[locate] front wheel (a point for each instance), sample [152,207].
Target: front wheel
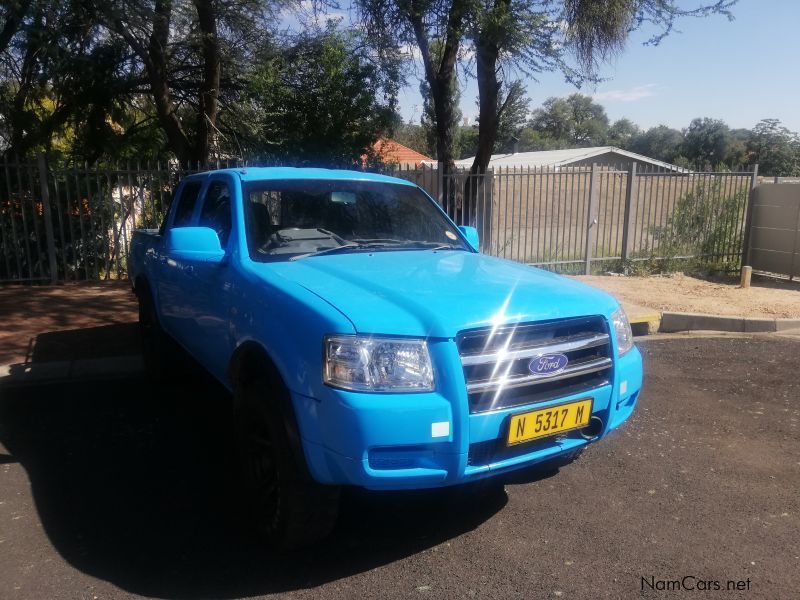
[287,506]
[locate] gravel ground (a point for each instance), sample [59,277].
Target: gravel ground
[115,490]
[768,298]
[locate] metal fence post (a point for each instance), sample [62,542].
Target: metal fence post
[748,218]
[591,233]
[48,219]
[626,219]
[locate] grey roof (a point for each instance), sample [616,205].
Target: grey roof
[555,158]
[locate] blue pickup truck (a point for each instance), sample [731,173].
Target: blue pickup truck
[368,342]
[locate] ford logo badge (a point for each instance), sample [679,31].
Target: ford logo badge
[548,364]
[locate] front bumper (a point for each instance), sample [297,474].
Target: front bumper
[413,441]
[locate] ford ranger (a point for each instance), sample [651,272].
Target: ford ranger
[368,342]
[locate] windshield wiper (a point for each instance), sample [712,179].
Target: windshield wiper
[362,244]
[339,239]
[409,243]
[329,251]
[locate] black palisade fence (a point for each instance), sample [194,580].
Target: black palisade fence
[75,222]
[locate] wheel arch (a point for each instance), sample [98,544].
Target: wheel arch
[251,361]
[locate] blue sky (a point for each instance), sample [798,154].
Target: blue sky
[740,71]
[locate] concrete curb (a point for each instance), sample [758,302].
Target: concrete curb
[673,322]
[69,370]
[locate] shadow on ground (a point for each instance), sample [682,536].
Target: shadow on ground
[137,486]
[35,309]
[119,339]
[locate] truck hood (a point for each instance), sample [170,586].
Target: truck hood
[439,293]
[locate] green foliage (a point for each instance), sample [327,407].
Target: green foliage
[514,115]
[77,80]
[661,142]
[775,149]
[428,119]
[65,88]
[514,110]
[320,102]
[413,136]
[532,141]
[706,224]
[574,121]
[706,143]
[468,141]
[622,132]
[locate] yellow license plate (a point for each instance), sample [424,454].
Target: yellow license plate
[536,424]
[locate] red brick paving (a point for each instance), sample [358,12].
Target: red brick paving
[94,319]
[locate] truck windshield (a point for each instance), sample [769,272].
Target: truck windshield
[290,220]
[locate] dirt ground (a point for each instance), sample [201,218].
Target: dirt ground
[26,312]
[766,298]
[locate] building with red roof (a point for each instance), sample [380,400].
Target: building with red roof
[394,153]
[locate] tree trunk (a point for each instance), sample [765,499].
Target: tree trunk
[155,59]
[441,79]
[487,53]
[443,110]
[488,113]
[486,56]
[209,87]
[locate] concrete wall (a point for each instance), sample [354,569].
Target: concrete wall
[775,229]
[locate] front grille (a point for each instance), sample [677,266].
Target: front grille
[495,361]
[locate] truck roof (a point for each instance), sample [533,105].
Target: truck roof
[267,173]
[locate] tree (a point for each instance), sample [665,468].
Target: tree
[573,121]
[532,140]
[12,21]
[706,143]
[661,143]
[535,36]
[622,132]
[150,30]
[41,44]
[321,102]
[512,118]
[468,141]
[737,150]
[436,29]
[412,136]
[775,149]
[432,126]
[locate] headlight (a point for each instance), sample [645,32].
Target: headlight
[377,364]
[622,329]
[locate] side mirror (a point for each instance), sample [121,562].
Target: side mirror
[199,244]
[472,237]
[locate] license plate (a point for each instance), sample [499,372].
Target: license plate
[535,424]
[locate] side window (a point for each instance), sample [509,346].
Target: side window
[186,204]
[217,210]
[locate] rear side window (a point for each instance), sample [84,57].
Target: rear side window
[186,204]
[217,210]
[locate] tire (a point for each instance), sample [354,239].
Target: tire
[287,507]
[158,353]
